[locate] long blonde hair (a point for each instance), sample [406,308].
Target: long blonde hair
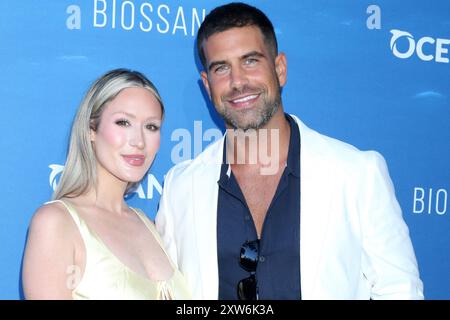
[79,174]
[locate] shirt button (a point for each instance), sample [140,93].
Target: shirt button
[247,218]
[262,259]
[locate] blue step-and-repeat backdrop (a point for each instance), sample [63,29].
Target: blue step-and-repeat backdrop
[375,74]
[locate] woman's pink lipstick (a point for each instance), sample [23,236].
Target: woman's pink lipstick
[135,160]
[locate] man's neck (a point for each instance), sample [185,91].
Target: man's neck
[264,149]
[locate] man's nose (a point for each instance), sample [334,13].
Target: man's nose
[238,77]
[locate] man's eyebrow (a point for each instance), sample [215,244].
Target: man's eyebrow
[252,54]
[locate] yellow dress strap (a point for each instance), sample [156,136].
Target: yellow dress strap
[71,210]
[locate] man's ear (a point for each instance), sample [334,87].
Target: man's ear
[204,77]
[281,68]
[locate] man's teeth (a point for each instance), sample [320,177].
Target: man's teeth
[245,99]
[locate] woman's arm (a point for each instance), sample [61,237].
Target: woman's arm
[49,254]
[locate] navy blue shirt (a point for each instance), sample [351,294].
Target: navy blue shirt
[278,269]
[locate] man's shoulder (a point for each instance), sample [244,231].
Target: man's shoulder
[331,145]
[333,149]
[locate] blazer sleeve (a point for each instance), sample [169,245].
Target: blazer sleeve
[389,262]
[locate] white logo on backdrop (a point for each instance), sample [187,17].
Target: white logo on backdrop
[403,44]
[57,169]
[426,48]
[396,34]
[144,16]
[430,201]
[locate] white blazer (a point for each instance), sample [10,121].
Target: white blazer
[354,243]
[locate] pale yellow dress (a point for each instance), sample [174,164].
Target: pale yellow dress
[106,277]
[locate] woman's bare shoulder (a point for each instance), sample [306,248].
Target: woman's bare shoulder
[52,217]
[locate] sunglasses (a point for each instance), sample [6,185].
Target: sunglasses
[247,288]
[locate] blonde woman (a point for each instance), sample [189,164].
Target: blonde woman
[88,243]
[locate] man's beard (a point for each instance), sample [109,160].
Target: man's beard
[255,117]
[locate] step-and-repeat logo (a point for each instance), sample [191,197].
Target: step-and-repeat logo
[405,45]
[426,48]
[430,200]
[144,16]
[55,173]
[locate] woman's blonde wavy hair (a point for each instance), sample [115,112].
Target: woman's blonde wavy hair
[79,174]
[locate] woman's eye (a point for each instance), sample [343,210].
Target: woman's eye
[122,123]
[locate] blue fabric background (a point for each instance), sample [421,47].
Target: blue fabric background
[344,80]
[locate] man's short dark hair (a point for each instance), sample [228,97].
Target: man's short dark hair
[235,15]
